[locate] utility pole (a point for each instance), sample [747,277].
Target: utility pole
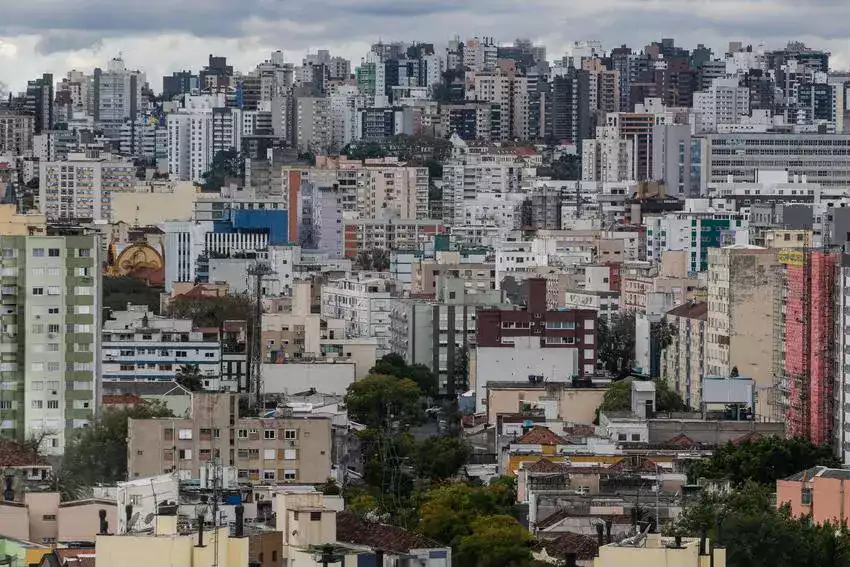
[258,271]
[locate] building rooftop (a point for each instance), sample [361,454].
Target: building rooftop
[539,435]
[584,547]
[819,471]
[546,466]
[353,529]
[141,388]
[691,310]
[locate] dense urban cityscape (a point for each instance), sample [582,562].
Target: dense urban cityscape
[467,303]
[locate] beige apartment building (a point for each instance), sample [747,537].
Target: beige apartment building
[683,361]
[478,276]
[276,450]
[739,325]
[41,518]
[558,401]
[671,278]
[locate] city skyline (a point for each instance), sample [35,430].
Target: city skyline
[83,35]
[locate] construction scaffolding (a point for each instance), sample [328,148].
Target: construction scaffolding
[804,350]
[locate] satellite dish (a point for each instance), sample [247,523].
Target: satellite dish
[132,522]
[149,518]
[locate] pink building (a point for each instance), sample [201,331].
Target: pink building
[807,337]
[821,492]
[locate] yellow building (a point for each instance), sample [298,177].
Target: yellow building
[653,550]
[14,224]
[168,547]
[154,202]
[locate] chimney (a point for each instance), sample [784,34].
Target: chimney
[128,509]
[104,525]
[200,530]
[678,540]
[571,559]
[702,537]
[240,521]
[608,524]
[600,535]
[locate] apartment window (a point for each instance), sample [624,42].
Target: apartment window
[268,475]
[8,252]
[806,496]
[38,252]
[242,434]
[269,454]
[635,436]
[53,290]
[53,328]
[53,252]
[37,404]
[290,434]
[49,517]
[5,404]
[185,454]
[315,516]
[82,290]
[52,404]
[290,474]
[37,329]
[84,252]
[53,311]
[37,367]
[168,434]
[290,454]
[38,291]
[621,436]
[184,434]
[53,367]
[269,434]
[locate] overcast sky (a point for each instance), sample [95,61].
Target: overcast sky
[161,36]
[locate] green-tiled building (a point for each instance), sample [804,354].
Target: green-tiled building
[50,303]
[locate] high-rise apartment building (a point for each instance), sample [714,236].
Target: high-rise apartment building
[81,187]
[118,96]
[51,305]
[739,332]
[197,132]
[608,157]
[724,102]
[39,102]
[16,133]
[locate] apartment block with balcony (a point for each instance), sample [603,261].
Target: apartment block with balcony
[49,336]
[274,450]
[139,345]
[683,361]
[364,304]
[81,187]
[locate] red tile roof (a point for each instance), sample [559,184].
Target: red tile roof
[122,399]
[539,435]
[351,528]
[681,440]
[584,547]
[751,436]
[546,466]
[14,454]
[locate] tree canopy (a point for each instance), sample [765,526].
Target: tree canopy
[495,541]
[225,164]
[118,291]
[616,342]
[756,533]
[98,453]
[383,402]
[618,397]
[439,458]
[213,311]
[763,461]
[189,376]
[394,365]
[448,512]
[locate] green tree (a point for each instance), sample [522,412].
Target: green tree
[616,342]
[618,397]
[384,402]
[439,458]
[98,453]
[667,399]
[189,376]
[213,311]
[226,164]
[565,168]
[394,365]
[756,533]
[118,291]
[448,511]
[763,461]
[495,541]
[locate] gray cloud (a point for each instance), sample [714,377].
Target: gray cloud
[72,26]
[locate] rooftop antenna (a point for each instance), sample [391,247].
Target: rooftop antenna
[258,271]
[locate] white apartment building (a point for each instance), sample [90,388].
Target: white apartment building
[345,101]
[118,94]
[138,345]
[518,258]
[468,174]
[723,103]
[608,157]
[81,187]
[392,191]
[199,130]
[364,304]
[185,241]
[488,218]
